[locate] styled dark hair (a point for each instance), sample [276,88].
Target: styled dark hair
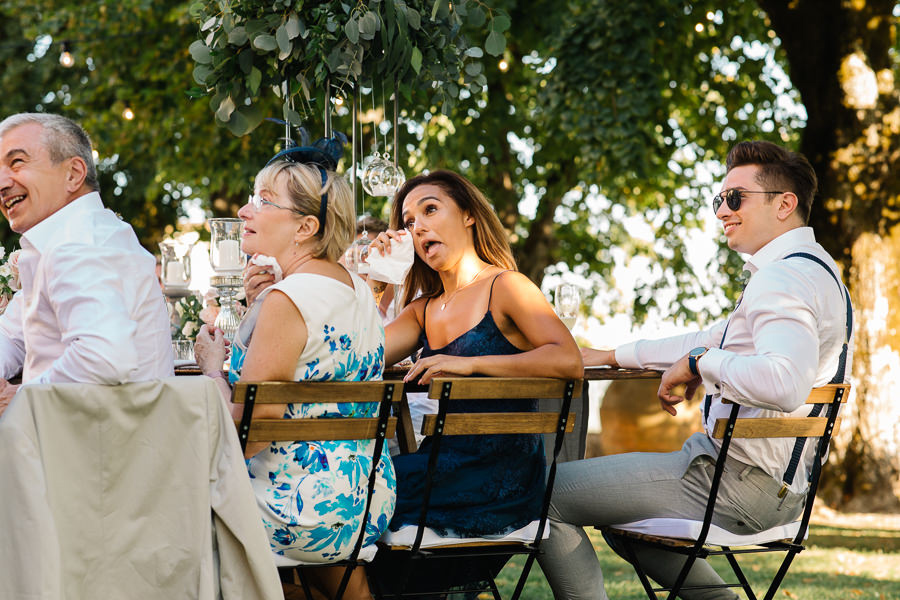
[487,232]
[779,169]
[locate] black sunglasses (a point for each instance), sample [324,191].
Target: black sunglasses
[733,198]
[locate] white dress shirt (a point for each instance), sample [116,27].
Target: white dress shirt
[784,338]
[90,309]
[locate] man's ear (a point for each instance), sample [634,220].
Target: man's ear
[787,205]
[75,174]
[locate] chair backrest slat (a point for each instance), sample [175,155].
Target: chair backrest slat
[309,392]
[470,388]
[775,427]
[310,430]
[788,426]
[825,394]
[497,423]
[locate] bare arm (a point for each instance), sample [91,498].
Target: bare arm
[526,319]
[278,340]
[402,334]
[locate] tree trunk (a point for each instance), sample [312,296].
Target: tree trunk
[840,62]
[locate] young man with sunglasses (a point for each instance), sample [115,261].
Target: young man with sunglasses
[788,333]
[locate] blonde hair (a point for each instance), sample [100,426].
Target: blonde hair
[488,234]
[303,183]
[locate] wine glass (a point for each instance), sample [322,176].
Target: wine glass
[567,301]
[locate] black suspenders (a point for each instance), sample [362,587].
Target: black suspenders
[800,442]
[797,452]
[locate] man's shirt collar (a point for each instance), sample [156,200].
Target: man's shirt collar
[779,247]
[49,232]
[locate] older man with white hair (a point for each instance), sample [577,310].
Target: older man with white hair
[90,309]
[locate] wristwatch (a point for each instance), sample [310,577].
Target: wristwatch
[693,356]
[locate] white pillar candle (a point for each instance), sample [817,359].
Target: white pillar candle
[229,255]
[175,274]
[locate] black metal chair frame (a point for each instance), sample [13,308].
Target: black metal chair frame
[416,553]
[391,389]
[700,549]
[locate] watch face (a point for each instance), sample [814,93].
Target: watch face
[697,352]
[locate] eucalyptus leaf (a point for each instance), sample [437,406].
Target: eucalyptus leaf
[352,31]
[284,42]
[238,36]
[245,61]
[415,60]
[495,43]
[500,23]
[473,68]
[225,110]
[294,25]
[210,22]
[265,42]
[253,81]
[474,52]
[414,18]
[200,52]
[237,124]
[477,17]
[201,72]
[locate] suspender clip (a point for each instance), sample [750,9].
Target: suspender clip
[783,491]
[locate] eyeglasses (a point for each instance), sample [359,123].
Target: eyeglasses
[257,201]
[733,198]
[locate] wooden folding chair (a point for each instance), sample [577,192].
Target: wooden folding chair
[447,390]
[700,539]
[320,429]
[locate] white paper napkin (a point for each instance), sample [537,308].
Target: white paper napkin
[393,267]
[268,261]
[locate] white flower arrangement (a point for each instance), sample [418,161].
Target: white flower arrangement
[9,277]
[191,314]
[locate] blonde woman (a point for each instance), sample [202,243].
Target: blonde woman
[319,323]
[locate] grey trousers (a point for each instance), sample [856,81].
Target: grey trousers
[628,487]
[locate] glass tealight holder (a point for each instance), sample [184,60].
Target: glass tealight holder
[175,270]
[225,254]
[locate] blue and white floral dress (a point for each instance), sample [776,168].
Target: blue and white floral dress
[312,495]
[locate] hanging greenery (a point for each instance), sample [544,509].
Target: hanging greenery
[294,47]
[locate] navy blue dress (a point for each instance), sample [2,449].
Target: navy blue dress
[484,485]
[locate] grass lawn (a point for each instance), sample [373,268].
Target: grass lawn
[845,559]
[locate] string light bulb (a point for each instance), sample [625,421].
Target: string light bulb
[65,57]
[503,65]
[127,113]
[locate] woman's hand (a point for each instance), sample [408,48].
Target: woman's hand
[438,365]
[256,279]
[382,241]
[211,349]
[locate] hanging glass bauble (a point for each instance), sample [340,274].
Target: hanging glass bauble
[390,179]
[371,175]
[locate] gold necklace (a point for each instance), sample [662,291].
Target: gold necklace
[471,281]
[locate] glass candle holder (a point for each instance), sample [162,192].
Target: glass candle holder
[225,254]
[175,270]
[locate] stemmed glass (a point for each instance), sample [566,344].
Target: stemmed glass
[567,301]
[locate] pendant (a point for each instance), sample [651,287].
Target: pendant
[443,304]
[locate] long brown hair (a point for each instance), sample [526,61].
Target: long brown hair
[488,234]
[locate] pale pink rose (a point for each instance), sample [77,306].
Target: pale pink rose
[14,261]
[208,315]
[210,297]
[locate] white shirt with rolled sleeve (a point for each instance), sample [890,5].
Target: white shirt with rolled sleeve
[784,338]
[90,309]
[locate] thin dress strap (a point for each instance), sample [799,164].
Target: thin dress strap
[491,294]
